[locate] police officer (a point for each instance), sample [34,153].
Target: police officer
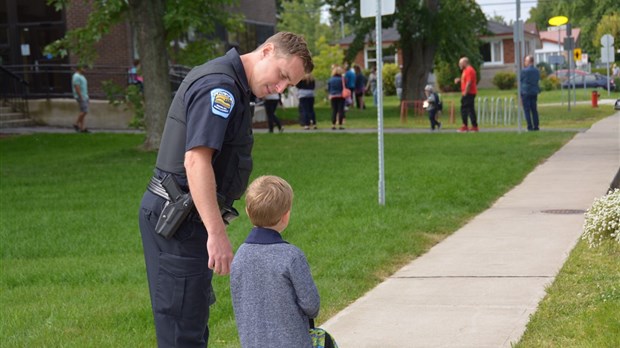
[206,148]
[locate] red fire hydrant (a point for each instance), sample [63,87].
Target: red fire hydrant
[595,96]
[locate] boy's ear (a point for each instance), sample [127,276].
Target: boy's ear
[286,217]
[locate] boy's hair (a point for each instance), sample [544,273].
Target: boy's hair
[267,199]
[287,43]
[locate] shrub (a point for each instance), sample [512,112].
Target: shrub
[504,80]
[602,220]
[389,73]
[544,68]
[445,73]
[549,83]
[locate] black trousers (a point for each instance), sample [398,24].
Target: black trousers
[468,109]
[306,108]
[270,109]
[178,276]
[337,110]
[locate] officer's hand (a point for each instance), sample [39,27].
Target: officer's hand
[220,252]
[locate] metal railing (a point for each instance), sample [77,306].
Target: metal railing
[497,111]
[14,91]
[54,80]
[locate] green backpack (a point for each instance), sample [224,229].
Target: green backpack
[320,337]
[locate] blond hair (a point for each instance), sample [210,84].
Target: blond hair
[287,43]
[267,199]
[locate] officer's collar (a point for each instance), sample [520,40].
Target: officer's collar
[261,235]
[234,57]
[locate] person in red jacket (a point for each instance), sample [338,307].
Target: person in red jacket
[468,95]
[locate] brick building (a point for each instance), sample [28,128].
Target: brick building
[26,27]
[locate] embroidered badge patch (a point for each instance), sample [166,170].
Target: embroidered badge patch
[222,102]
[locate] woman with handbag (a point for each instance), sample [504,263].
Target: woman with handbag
[337,95]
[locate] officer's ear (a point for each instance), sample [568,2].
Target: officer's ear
[267,50]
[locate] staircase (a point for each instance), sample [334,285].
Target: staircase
[13,119]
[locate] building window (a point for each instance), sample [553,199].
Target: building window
[492,52]
[370,56]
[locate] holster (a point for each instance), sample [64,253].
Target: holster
[179,204]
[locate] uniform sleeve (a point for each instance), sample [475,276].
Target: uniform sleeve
[210,103]
[307,294]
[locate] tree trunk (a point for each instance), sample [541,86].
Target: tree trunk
[147,19]
[419,45]
[418,61]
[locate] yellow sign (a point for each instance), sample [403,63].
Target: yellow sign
[577,54]
[558,20]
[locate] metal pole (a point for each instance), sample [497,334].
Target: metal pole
[379,42]
[517,43]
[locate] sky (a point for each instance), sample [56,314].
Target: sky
[506,8]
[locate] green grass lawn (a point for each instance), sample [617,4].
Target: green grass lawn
[72,270]
[582,307]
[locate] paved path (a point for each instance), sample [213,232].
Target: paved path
[479,286]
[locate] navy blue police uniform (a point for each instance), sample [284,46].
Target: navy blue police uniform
[210,109]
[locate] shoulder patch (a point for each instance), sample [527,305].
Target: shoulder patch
[222,102]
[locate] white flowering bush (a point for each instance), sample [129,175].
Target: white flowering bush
[602,220]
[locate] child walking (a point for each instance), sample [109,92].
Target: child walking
[273,293]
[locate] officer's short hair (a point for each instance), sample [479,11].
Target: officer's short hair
[267,199]
[292,44]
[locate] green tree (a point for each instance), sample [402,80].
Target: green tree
[156,24]
[583,14]
[328,55]
[609,24]
[304,16]
[428,33]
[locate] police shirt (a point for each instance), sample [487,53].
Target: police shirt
[213,103]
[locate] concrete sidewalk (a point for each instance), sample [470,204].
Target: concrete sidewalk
[479,286]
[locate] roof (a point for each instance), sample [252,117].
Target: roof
[388,35]
[552,35]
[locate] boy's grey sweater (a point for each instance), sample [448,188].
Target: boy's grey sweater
[273,292]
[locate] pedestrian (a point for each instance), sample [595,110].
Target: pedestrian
[431,104]
[616,70]
[79,86]
[273,293]
[360,87]
[205,152]
[468,95]
[530,77]
[371,85]
[336,90]
[398,83]
[271,104]
[305,93]
[134,77]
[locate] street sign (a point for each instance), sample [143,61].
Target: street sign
[607,40]
[517,34]
[607,54]
[558,20]
[569,43]
[557,59]
[577,54]
[368,8]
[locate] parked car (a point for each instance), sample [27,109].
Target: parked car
[562,74]
[589,81]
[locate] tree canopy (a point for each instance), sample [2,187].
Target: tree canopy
[430,31]
[584,14]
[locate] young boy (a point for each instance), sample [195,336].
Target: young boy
[273,292]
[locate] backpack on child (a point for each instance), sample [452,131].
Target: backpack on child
[438,102]
[320,337]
